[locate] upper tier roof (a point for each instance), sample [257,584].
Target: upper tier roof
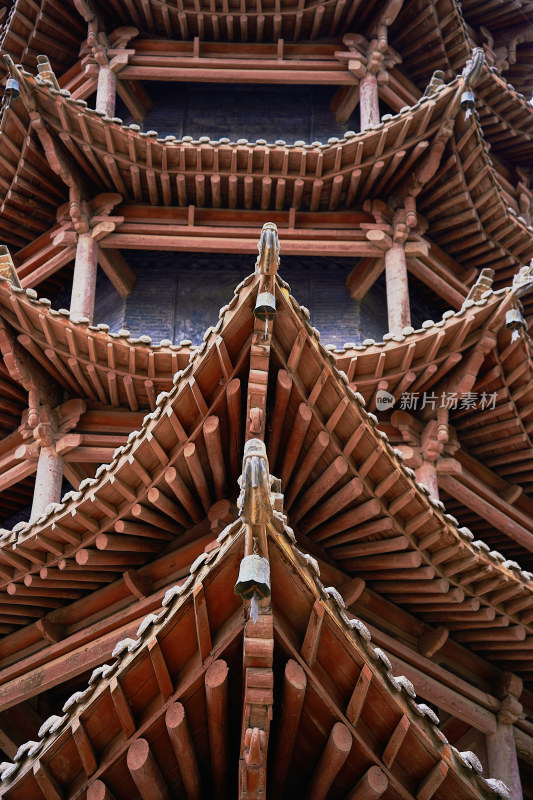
[480,221]
[439,28]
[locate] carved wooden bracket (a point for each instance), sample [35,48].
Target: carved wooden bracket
[51,429]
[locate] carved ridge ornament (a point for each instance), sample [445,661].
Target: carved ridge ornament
[7,268]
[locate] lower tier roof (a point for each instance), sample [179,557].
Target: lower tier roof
[145,721]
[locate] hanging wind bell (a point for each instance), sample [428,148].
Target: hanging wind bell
[468,102]
[514,321]
[253,582]
[12,89]
[265,308]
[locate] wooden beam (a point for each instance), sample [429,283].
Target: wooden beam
[432,781]
[47,783]
[210,72]
[233,399]
[292,703]
[524,745]
[363,276]
[182,494]
[122,708]
[99,791]
[295,442]
[213,445]
[49,267]
[326,481]
[299,243]
[216,691]
[440,286]
[180,738]
[305,467]
[159,664]
[392,747]
[17,473]
[352,590]
[117,270]
[203,633]
[49,630]
[312,634]
[371,786]
[192,460]
[84,747]
[487,510]
[145,772]
[434,691]
[281,400]
[358,698]
[134,96]
[335,754]
[139,585]
[348,520]
[6,742]
[432,641]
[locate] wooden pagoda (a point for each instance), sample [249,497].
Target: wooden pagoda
[280,566]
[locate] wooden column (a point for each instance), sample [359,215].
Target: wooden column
[48,480]
[84,280]
[369,101]
[501,745]
[399,312]
[106,91]
[502,758]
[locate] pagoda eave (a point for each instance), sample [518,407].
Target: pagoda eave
[422,538]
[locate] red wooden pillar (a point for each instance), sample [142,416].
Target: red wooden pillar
[369,101]
[501,745]
[106,91]
[399,312]
[48,480]
[84,280]
[503,761]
